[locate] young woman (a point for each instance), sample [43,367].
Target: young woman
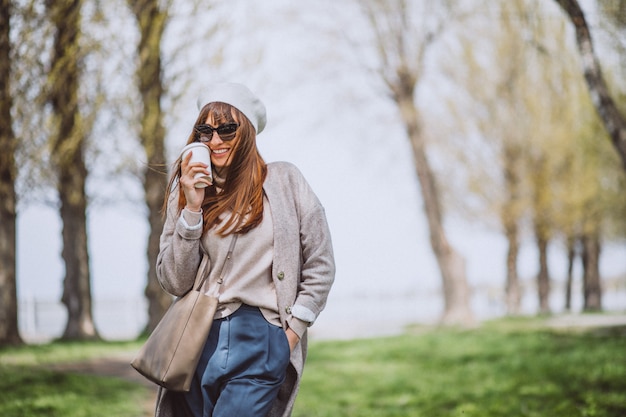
[275,283]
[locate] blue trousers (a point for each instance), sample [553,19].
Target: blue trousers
[241,368]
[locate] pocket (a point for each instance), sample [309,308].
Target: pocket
[286,341]
[222,352]
[281,347]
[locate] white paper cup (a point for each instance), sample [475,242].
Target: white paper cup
[199,153]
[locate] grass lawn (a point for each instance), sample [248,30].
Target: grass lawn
[504,368]
[28,389]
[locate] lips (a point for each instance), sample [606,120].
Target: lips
[219,151]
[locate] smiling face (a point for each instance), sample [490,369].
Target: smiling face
[233,150]
[222,151]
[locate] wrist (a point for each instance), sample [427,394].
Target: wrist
[194,210]
[298,327]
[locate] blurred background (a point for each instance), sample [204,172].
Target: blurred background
[464,169]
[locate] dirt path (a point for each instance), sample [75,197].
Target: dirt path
[586,321]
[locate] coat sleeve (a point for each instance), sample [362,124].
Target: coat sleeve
[318,264]
[179,249]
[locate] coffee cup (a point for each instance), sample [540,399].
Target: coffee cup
[199,153]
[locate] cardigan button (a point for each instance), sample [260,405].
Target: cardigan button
[288,310]
[281,275]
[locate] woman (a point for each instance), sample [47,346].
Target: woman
[277,280]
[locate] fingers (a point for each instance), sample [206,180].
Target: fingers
[189,173]
[194,194]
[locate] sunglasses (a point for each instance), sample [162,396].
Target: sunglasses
[226,132]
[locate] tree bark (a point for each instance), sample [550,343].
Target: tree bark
[152,20]
[509,219]
[68,142]
[541,206]
[513,294]
[614,121]
[457,310]
[592,289]
[9,329]
[543,277]
[571,257]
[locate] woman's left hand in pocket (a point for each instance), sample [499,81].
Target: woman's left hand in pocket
[292,338]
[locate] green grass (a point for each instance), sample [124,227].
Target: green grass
[28,392]
[60,352]
[505,368]
[29,389]
[498,370]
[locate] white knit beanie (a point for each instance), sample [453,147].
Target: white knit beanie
[238,96]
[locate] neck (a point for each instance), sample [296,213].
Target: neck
[219,177]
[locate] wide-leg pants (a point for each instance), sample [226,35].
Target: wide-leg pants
[242,367]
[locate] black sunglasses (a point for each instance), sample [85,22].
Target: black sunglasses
[226,132]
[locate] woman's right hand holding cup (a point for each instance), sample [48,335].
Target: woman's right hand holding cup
[193,194]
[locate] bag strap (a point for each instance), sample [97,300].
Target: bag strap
[202,276]
[229,255]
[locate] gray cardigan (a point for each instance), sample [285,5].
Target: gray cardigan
[303,268]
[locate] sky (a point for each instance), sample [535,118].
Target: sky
[345,137]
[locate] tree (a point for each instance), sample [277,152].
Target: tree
[571,258]
[67,142]
[535,163]
[541,219]
[499,115]
[614,121]
[152,19]
[9,331]
[551,85]
[590,194]
[401,46]
[505,123]
[586,179]
[592,289]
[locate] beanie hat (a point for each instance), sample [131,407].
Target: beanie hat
[238,96]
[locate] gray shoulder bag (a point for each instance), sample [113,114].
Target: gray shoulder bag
[170,355]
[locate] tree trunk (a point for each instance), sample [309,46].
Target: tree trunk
[592,290]
[543,278]
[513,292]
[152,21]
[457,310]
[541,206]
[509,218]
[67,153]
[9,330]
[400,67]
[77,283]
[571,257]
[614,121]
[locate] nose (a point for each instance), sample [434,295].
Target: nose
[215,135]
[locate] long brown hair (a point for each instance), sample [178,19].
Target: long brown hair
[242,195]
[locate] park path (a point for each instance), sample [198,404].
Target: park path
[586,321]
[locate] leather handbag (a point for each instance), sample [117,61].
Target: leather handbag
[170,355]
